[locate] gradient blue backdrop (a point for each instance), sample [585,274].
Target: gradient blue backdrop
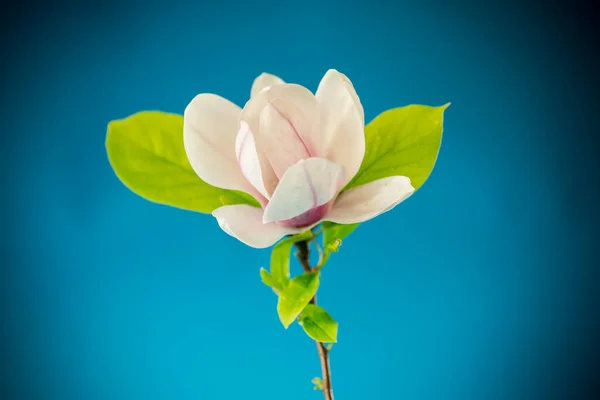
[478,287]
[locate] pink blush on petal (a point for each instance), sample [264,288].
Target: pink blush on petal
[307,218]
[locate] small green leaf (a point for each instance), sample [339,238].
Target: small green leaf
[280,257]
[296,296]
[402,141]
[318,324]
[332,238]
[147,154]
[269,281]
[333,233]
[318,382]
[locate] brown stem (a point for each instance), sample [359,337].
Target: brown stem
[303,256]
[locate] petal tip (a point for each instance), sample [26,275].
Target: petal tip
[264,82]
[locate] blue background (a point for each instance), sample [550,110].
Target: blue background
[481,286]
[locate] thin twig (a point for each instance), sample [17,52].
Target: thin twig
[317,232]
[303,255]
[321,255]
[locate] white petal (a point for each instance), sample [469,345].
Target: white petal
[342,122]
[244,223]
[281,140]
[307,185]
[247,157]
[367,201]
[210,127]
[299,105]
[355,97]
[263,82]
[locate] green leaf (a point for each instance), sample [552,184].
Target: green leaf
[269,281]
[318,324]
[280,257]
[402,141]
[318,382]
[332,238]
[296,296]
[333,233]
[147,154]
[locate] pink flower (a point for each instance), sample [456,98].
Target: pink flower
[291,150]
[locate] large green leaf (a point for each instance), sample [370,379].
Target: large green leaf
[296,296]
[402,141]
[147,154]
[318,324]
[280,257]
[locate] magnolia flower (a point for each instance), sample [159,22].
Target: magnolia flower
[293,151]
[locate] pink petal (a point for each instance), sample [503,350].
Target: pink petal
[298,105]
[263,82]
[247,157]
[282,142]
[367,201]
[307,185]
[210,127]
[244,223]
[342,122]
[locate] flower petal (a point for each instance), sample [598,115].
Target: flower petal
[210,127]
[244,223]
[305,186]
[263,82]
[281,140]
[247,157]
[342,122]
[367,201]
[299,106]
